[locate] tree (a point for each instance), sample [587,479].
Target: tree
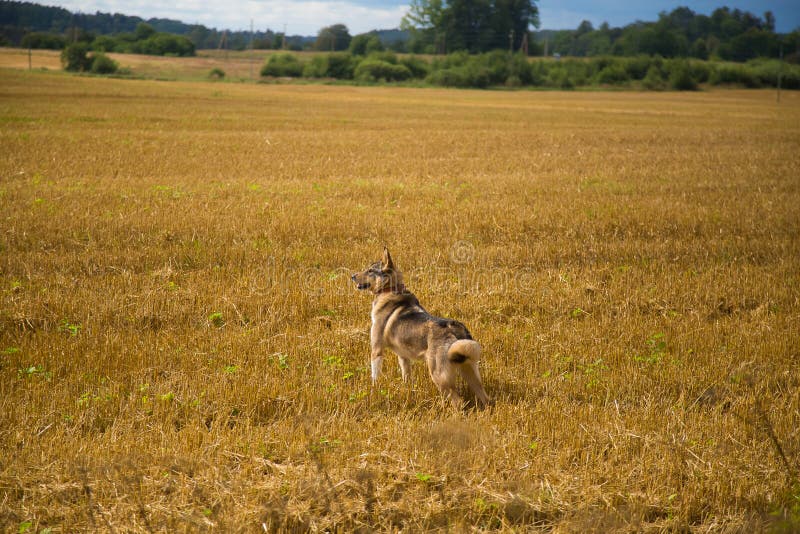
[144,31]
[336,37]
[425,23]
[471,25]
[769,21]
[365,43]
[74,58]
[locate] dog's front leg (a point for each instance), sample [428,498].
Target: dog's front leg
[376,360]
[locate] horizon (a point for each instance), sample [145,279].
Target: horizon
[361,16]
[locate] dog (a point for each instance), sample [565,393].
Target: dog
[401,324]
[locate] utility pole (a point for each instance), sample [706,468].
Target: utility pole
[251,50]
[780,72]
[511,42]
[283,39]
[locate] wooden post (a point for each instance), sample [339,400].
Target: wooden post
[780,72]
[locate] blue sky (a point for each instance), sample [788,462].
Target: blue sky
[306,17]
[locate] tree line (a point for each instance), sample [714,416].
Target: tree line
[727,34]
[503,69]
[429,27]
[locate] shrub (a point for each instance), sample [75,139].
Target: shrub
[495,64]
[724,74]
[341,66]
[559,77]
[43,40]
[419,68]
[364,44]
[700,71]
[611,75]
[577,71]
[216,73]
[513,81]
[282,65]
[74,58]
[638,67]
[680,77]
[371,70]
[654,79]
[104,43]
[520,67]
[316,68]
[538,71]
[164,44]
[102,64]
[456,59]
[388,56]
[767,71]
[453,77]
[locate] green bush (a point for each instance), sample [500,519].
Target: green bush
[559,77]
[74,58]
[513,81]
[43,40]
[419,68]
[727,74]
[341,66]
[373,70]
[102,64]
[388,56]
[538,72]
[452,77]
[654,79]
[364,44]
[638,67]
[767,71]
[316,68]
[495,64]
[577,71]
[700,71]
[680,77]
[104,43]
[282,65]
[216,73]
[519,66]
[164,44]
[612,74]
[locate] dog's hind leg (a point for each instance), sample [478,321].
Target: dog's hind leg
[405,368]
[469,370]
[444,376]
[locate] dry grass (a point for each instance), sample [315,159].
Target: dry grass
[181,350]
[237,65]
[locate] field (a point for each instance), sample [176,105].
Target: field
[238,66]
[181,349]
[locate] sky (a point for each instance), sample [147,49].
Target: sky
[306,17]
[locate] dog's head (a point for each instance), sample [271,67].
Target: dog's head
[380,277]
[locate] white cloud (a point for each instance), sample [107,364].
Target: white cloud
[304,17]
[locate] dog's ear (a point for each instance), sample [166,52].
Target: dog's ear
[386,262]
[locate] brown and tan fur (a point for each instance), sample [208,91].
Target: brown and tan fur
[401,324]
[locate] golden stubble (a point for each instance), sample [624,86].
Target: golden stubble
[183,350]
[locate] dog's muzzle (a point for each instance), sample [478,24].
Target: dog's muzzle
[358,286]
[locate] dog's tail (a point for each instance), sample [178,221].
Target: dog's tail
[463,350]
